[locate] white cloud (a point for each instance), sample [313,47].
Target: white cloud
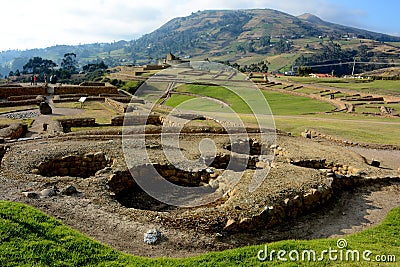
[40,23]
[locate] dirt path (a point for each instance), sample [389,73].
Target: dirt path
[53,127]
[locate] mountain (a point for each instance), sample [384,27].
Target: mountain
[242,36]
[217,32]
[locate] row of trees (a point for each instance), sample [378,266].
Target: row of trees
[261,66]
[69,66]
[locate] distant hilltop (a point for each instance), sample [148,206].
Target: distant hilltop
[244,36]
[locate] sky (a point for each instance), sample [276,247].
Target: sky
[27,24]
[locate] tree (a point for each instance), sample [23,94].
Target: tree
[38,65]
[69,63]
[265,40]
[304,71]
[95,66]
[282,46]
[240,48]
[17,73]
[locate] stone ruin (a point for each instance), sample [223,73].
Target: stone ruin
[298,181]
[45,108]
[73,165]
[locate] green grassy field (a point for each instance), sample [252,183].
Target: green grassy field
[369,131]
[280,104]
[283,104]
[92,109]
[28,237]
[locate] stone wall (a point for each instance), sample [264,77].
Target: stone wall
[250,146]
[330,168]
[59,99]
[76,166]
[13,131]
[121,107]
[77,122]
[20,103]
[23,97]
[138,119]
[117,121]
[290,208]
[120,181]
[6,91]
[89,90]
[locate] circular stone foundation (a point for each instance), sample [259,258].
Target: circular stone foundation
[72,165]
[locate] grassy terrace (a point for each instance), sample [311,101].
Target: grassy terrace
[281,104]
[365,86]
[28,237]
[294,114]
[92,109]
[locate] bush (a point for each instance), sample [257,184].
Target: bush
[131,86]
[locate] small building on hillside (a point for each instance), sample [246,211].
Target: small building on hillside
[173,60]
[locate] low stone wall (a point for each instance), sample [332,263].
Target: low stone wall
[121,107]
[20,103]
[89,90]
[330,168]
[76,166]
[6,91]
[290,208]
[233,161]
[58,99]
[120,181]
[142,119]
[13,131]
[77,122]
[117,121]
[251,146]
[22,97]
[71,95]
[122,99]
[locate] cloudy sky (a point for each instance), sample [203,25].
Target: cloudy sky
[29,24]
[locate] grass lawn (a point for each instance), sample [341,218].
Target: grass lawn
[362,131]
[28,237]
[280,104]
[92,109]
[284,104]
